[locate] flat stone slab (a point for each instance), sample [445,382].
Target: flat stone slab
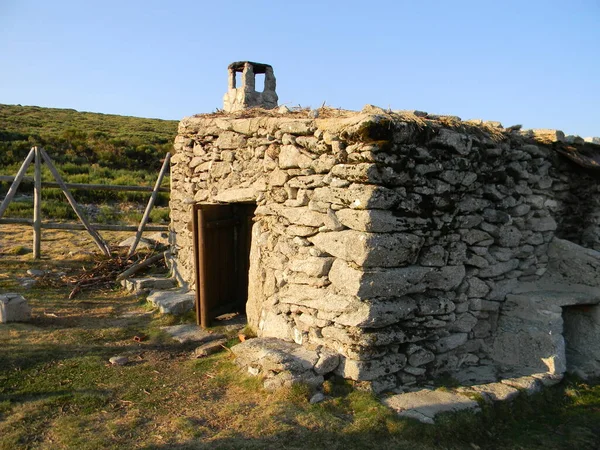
[156,282]
[530,385]
[493,392]
[172,302]
[191,333]
[14,308]
[425,404]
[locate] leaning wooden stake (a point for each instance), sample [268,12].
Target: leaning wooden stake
[37,205]
[139,266]
[15,184]
[97,238]
[144,220]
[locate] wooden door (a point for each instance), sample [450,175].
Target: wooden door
[222,235]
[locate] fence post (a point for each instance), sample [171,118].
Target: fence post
[37,205]
[144,220]
[15,184]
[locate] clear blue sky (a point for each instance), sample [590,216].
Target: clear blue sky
[531,62]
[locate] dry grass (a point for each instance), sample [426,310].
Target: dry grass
[57,389]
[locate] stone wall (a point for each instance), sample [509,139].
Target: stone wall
[391,238]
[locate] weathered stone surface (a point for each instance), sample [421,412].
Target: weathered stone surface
[528,384]
[498,269]
[450,342]
[495,392]
[285,362]
[393,282]
[14,308]
[425,405]
[172,302]
[574,263]
[421,357]
[209,348]
[313,266]
[291,157]
[191,333]
[371,220]
[370,370]
[372,233]
[154,282]
[119,360]
[370,249]
[358,196]
[464,323]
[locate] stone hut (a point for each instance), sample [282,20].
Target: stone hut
[411,244]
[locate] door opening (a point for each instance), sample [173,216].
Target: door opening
[222,237]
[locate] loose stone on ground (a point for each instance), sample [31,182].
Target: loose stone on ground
[172,302]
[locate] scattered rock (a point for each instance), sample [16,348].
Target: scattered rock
[36,272]
[317,398]
[209,348]
[119,360]
[284,363]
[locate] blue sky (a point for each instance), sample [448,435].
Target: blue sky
[535,63]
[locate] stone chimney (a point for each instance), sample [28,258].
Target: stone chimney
[245,96]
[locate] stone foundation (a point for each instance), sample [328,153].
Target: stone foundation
[392,239]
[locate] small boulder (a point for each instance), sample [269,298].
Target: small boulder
[14,308]
[119,360]
[209,348]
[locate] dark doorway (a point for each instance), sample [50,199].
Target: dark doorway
[222,237]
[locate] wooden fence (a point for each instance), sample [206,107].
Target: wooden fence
[38,155]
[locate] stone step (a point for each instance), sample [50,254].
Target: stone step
[172,302]
[283,363]
[425,404]
[191,332]
[154,282]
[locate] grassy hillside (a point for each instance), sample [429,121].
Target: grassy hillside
[69,136]
[87,148]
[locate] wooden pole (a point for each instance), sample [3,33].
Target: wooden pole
[88,187]
[97,238]
[78,226]
[146,215]
[139,266]
[37,205]
[13,187]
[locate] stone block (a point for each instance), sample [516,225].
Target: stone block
[172,302]
[370,249]
[14,308]
[371,370]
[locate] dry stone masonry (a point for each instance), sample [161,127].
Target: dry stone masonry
[404,242]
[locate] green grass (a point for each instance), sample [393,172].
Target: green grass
[57,390]
[87,148]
